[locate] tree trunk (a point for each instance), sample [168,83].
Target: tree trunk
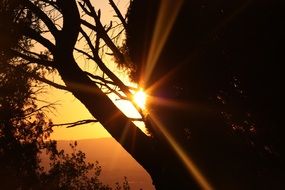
[153,154]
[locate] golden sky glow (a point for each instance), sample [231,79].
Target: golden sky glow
[69,109]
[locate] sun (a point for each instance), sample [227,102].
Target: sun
[140,98]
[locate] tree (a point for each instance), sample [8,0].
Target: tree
[25,129]
[219,69]
[24,132]
[60,57]
[21,137]
[202,87]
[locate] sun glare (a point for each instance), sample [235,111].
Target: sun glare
[140,98]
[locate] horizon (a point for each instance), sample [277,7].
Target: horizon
[116,163]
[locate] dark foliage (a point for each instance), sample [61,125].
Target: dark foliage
[24,131]
[222,64]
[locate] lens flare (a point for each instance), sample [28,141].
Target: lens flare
[140,98]
[190,165]
[168,11]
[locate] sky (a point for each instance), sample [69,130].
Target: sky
[68,108]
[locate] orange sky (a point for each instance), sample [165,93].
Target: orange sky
[69,109]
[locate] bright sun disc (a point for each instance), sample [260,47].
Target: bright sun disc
[140,98]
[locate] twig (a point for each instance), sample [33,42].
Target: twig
[75,123]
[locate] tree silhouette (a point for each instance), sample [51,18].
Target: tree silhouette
[219,70]
[25,129]
[211,71]
[24,132]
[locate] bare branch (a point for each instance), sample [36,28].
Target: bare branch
[28,52]
[42,16]
[106,81]
[101,31]
[52,3]
[44,80]
[102,66]
[91,26]
[39,38]
[111,90]
[84,53]
[32,59]
[75,123]
[109,27]
[84,8]
[118,12]
[88,40]
[96,77]
[109,73]
[31,113]
[136,119]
